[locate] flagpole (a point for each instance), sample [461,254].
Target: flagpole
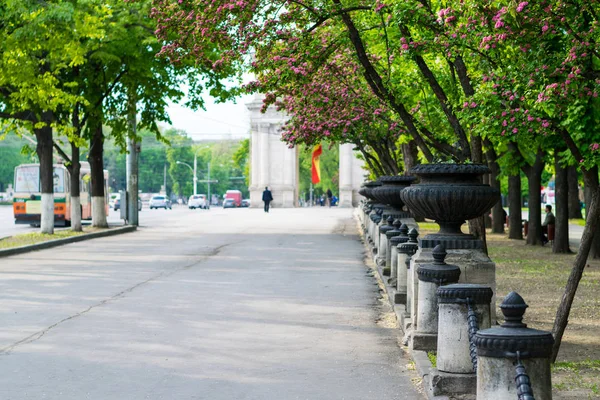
[311,195]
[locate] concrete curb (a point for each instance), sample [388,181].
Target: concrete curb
[422,363]
[59,242]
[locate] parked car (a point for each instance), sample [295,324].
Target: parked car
[229,203]
[197,201]
[117,204]
[160,201]
[246,203]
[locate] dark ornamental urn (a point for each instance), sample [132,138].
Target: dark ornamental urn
[367,190]
[389,192]
[367,187]
[450,194]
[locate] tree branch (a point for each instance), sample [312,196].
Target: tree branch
[60,151]
[376,84]
[105,95]
[440,94]
[343,11]
[21,115]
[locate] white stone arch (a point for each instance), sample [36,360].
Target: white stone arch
[275,165]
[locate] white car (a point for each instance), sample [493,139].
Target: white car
[158,201]
[197,201]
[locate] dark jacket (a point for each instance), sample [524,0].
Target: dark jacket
[267,196]
[549,220]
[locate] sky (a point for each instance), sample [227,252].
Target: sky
[230,120]
[219,121]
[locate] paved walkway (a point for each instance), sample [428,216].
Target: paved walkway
[225,304]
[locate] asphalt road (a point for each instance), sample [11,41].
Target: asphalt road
[219,304]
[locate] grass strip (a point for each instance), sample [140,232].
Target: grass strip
[26,239]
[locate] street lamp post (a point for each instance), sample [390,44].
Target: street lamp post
[208,185]
[193,171]
[195,175]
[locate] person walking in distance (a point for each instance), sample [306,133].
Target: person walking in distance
[329,197]
[267,198]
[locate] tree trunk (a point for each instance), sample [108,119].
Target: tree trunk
[591,226]
[95,157]
[132,160]
[497,210]
[75,189]
[410,154]
[574,203]
[44,151]
[592,176]
[534,178]
[75,172]
[515,217]
[561,235]
[477,225]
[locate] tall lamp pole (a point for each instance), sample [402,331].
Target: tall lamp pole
[193,171]
[195,175]
[208,179]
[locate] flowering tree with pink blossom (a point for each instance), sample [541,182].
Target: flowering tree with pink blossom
[522,76]
[539,80]
[336,106]
[291,40]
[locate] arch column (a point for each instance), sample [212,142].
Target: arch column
[273,164]
[351,175]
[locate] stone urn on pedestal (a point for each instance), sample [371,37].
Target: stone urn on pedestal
[372,208]
[389,194]
[450,194]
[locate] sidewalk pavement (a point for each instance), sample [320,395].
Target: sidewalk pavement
[227,304]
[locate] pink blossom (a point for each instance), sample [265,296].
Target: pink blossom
[515,130]
[521,6]
[544,28]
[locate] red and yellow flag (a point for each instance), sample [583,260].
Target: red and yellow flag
[316,166]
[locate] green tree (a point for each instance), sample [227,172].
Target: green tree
[41,42]
[11,154]
[180,150]
[240,160]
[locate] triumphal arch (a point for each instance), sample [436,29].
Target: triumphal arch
[274,164]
